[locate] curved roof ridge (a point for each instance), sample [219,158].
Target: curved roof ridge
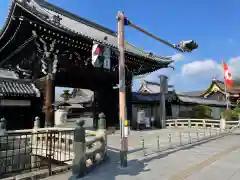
[75,17]
[129,47]
[166,58]
[9,16]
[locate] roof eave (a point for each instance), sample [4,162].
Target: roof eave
[8,19]
[157,59]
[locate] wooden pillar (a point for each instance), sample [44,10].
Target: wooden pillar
[95,109]
[53,99]
[49,121]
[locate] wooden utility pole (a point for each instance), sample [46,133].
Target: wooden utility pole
[122,93]
[184,46]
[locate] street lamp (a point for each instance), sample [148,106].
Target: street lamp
[183,46]
[188,46]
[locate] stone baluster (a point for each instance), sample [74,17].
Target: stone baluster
[238,121]
[204,123]
[36,123]
[189,123]
[79,150]
[3,130]
[222,124]
[3,143]
[35,144]
[102,132]
[176,123]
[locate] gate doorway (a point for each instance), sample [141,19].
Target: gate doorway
[18,117]
[92,94]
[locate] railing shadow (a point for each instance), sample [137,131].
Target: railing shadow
[111,169]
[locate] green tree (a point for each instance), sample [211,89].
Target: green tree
[236,111]
[202,111]
[230,114]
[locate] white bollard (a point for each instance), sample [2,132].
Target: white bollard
[222,124]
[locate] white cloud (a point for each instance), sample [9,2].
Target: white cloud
[210,68]
[194,74]
[234,66]
[178,57]
[202,68]
[198,74]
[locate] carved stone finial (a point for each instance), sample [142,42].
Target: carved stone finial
[80,123]
[102,121]
[37,122]
[2,124]
[102,115]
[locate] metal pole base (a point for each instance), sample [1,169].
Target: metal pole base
[123,158]
[123,152]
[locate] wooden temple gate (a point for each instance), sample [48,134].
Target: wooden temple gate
[54,48]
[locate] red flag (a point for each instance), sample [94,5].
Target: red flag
[227,75]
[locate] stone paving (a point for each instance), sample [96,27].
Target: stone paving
[216,159]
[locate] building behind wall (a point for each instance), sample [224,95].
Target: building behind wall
[178,105]
[215,91]
[19,100]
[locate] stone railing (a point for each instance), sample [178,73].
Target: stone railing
[44,148]
[201,123]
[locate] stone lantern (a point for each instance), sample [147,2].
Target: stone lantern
[62,110]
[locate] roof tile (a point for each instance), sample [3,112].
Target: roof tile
[16,88]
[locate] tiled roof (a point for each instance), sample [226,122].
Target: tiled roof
[78,25]
[221,85]
[9,87]
[151,87]
[137,96]
[193,93]
[199,100]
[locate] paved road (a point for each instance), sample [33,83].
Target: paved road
[217,159]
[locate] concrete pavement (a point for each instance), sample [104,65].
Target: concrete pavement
[217,159]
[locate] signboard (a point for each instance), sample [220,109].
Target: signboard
[6,102]
[101,56]
[96,52]
[141,117]
[107,56]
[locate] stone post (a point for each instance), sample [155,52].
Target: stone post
[36,123]
[176,123]
[204,123]
[102,132]
[102,122]
[222,124]
[163,91]
[3,134]
[3,143]
[79,150]
[36,126]
[189,123]
[3,130]
[238,121]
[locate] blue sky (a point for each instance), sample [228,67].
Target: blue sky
[213,24]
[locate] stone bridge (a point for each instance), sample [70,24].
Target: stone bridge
[145,147]
[45,148]
[215,158]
